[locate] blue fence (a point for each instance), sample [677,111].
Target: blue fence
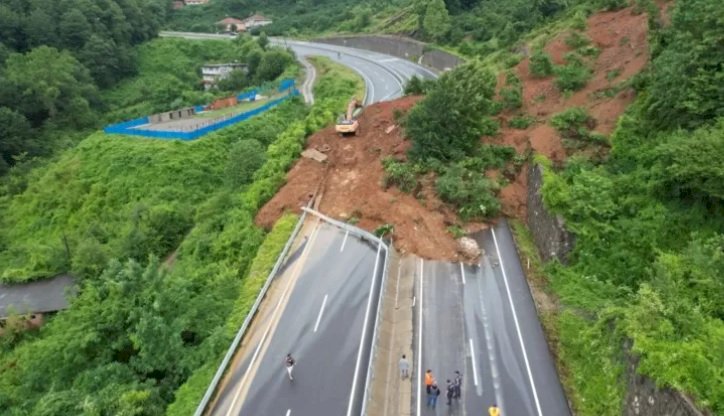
[130,127]
[251,96]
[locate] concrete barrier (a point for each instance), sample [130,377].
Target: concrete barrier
[400,47]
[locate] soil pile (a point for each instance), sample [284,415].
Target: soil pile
[350,187]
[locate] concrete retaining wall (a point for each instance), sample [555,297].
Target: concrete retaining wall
[643,397]
[400,47]
[549,230]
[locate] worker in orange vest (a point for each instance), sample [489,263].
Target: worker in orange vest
[494,410]
[429,380]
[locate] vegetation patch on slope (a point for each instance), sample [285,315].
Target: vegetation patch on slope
[139,330]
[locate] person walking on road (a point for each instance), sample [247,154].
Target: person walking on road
[450,392]
[404,367]
[457,384]
[429,380]
[432,395]
[289,362]
[494,410]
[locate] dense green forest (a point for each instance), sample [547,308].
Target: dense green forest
[54,58]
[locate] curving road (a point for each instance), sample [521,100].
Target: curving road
[384,75]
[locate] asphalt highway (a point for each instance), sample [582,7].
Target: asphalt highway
[481,320]
[319,319]
[385,75]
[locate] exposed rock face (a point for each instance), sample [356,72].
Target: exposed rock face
[645,398]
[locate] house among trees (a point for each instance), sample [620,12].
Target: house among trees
[231,24]
[195,2]
[213,73]
[256,20]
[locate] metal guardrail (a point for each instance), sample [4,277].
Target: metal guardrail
[239,335]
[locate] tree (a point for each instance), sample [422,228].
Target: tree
[46,84]
[690,165]
[437,20]
[11,28]
[272,64]
[263,40]
[40,29]
[74,29]
[14,136]
[686,86]
[448,123]
[100,56]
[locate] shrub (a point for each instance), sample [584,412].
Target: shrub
[577,40]
[540,64]
[574,125]
[512,93]
[418,86]
[571,121]
[613,4]
[572,77]
[613,74]
[579,21]
[521,122]
[245,157]
[400,174]
[472,192]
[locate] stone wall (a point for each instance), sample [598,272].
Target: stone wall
[400,47]
[549,231]
[644,398]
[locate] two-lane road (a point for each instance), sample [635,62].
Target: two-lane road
[384,75]
[481,320]
[325,298]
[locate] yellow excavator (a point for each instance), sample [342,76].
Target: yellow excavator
[348,123]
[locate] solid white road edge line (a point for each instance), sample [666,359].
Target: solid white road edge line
[350,404]
[344,241]
[517,325]
[321,311]
[419,345]
[312,237]
[462,272]
[397,289]
[472,355]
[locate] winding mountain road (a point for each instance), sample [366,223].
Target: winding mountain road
[384,75]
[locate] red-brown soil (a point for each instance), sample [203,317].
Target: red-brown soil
[621,38]
[349,185]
